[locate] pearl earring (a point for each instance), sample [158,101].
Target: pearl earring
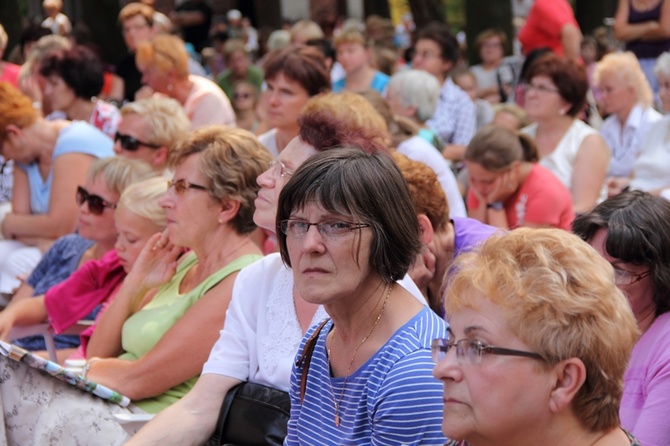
[170,87]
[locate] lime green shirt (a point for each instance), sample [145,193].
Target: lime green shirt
[144,329]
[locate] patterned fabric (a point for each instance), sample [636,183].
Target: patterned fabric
[455,118]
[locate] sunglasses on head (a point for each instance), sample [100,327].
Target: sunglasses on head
[131,143]
[96,204]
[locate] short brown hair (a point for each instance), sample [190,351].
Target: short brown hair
[302,64]
[495,148]
[15,108]
[569,78]
[487,34]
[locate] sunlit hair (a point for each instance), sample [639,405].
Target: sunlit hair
[427,195]
[233,46]
[488,34]
[357,186]
[304,30]
[638,232]
[418,89]
[15,108]
[141,198]
[570,79]
[166,53]
[627,71]
[40,50]
[305,65]
[119,172]
[79,68]
[351,35]
[136,8]
[165,121]
[518,112]
[495,148]
[231,161]
[559,297]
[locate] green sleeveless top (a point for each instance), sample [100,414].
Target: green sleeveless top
[144,329]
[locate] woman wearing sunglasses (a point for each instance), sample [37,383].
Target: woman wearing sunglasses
[539,338]
[631,231]
[51,159]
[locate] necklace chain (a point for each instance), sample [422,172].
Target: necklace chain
[338,401]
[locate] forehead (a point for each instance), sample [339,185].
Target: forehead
[427,45]
[133,122]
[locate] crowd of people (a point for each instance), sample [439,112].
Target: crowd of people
[385,235]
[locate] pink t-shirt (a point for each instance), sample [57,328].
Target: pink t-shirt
[544,24]
[541,200]
[10,74]
[207,104]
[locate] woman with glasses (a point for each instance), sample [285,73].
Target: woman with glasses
[508,188]
[555,95]
[95,238]
[245,103]
[163,61]
[539,338]
[51,159]
[630,230]
[153,338]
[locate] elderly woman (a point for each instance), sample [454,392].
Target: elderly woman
[163,62]
[573,151]
[508,188]
[539,329]
[150,129]
[183,298]
[51,160]
[73,80]
[292,76]
[631,232]
[627,98]
[348,393]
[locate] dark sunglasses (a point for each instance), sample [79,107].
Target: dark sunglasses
[131,143]
[241,95]
[96,204]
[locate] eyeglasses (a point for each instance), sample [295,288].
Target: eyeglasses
[330,228]
[96,204]
[131,143]
[471,350]
[241,95]
[181,186]
[527,87]
[425,55]
[279,170]
[625,278]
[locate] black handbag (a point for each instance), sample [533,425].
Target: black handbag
[252,415]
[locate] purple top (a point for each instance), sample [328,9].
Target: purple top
[642,49]
[646,390]
[469,233]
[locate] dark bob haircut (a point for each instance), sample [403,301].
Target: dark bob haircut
[80,69]
[638,232]
[305,65]
[569,78]
[366,187]
[439,33]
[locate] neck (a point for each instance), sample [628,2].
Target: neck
[81,110]
[44,135]
[181,89]
[102,248]
[524,171]
[443,249]
[285,135]
[557,124]
[490,65]
[645,315]
[212,258]
[360,78]
[354,317]
[623,115]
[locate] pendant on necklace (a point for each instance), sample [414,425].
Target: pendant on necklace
[337,420]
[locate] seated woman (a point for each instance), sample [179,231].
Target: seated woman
[443,239]
[628,100]
[540,337]
[74,79]
[554,97]
[51,160]
[368,378]
[95,237]
[631,231]
[508,188]
[354,53]
[161,348]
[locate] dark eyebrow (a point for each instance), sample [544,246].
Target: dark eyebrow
[473,328]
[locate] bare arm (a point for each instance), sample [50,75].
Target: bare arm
[571,40]
[588,174]
[649,30]
[191,420]
[454,152]
[25,312]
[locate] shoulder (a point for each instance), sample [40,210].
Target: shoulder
[82,137]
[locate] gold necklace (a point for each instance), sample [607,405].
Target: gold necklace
[338,401]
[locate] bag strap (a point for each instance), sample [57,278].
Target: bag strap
[306,357]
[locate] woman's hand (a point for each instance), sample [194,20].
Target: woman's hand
[6,324]
[156,264]
[503,187]
[616,185]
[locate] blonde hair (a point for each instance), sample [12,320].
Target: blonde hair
[118,172]
[141,198]
[304,30]
[559,296]
[628,71]
[167,123]
[351,35]
[136,8]
[166,53]
[514,110]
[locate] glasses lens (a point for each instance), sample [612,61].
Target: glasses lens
[96,204]
[127,142]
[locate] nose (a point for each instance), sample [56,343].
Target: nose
[448,368]
[313,240]
[166,200]
[118,245]
[117,148]
[266,179]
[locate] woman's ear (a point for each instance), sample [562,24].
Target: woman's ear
[568,377]
[426,232]
[229,209]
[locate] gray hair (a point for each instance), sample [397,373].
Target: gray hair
[417,89]
[662,66]
[167,123]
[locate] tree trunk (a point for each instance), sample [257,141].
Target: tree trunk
[426,11]
[484,14]
[590,14]
[268,14]
[10,17]
[376,7]
[100,19]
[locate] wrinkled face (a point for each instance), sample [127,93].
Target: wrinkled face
[329,269]
[99,228]
[352,56]
[542,99]
[428,57]
[616,97]
[474,393]
[664,91]
[284,100]
[58,93]
[135,31]
[272,181]
[133,232]
[492,50]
